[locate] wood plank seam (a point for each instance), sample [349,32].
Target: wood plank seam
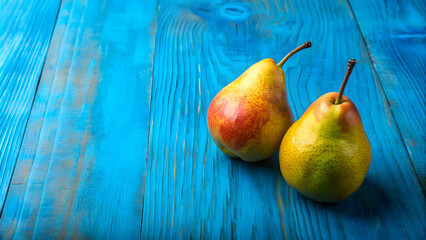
[32,105]
[51,160]
[31,108]
[106,46]
[149,119]
[20,146]
[379,83]
[303,219]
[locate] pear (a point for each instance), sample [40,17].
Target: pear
[326,154]
[249,117]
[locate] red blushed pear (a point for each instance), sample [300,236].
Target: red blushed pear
[249,117]
[326,154]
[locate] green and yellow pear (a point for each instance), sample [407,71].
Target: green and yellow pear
[249,117]
[325,155]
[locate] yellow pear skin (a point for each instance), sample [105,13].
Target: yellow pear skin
[326,154]
[249,117]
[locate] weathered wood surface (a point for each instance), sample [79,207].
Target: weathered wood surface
[81,166]
[193,190]
[25,31]
[117,144]
[395,35]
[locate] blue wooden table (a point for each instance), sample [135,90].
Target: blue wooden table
[103,117]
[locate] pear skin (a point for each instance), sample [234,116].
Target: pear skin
[326,154]
[249,117]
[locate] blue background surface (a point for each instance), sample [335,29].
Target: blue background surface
[103,109]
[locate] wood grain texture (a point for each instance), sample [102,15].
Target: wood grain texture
[103,158]
[395,33]
[80,172]
[24,39]
[192,190]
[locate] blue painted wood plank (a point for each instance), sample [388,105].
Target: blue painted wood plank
[192,190]
[80,172]
[395,33]
[25,31]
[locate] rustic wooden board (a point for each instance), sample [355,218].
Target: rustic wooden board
[80,171]
[395,33]
[25,31]
[193,190]
[108,153]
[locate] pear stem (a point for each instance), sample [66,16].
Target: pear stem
[351,65]
[303,46]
